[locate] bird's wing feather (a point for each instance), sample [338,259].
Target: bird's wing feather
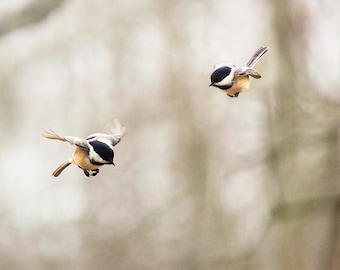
[115,130]
[70,139]
[246,71]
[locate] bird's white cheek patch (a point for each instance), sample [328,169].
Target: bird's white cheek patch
[226,81]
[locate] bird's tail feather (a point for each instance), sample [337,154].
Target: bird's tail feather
[257,56]
[62,167]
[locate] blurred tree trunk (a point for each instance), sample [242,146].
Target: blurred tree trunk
[331,176]
[284,112]
[284,127]
[190,146]
[292,137]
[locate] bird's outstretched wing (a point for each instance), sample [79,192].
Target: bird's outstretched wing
[70,139]
[246,71]
[114,132]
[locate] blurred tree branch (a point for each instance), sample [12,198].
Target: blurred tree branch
[307,207]
[34,12]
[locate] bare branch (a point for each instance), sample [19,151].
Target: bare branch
[34,12]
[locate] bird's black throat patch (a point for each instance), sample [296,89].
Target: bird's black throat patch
[224,87]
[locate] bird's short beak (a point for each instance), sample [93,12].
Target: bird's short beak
[211,84]
[113,164]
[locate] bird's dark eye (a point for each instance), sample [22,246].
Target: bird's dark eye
[219,74]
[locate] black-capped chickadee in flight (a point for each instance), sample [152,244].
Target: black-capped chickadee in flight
[234,80]
[94,151]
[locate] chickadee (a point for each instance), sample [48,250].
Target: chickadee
[93,152]
[234,80]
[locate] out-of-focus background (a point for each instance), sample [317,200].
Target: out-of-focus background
[202,181]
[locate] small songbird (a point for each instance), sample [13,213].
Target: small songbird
[235,80]
[94,151]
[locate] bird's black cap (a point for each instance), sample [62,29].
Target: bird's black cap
[103,150]
[219,74]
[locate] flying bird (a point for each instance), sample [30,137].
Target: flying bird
[235,80]
[94,151]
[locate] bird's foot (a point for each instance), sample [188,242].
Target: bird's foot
[235,95]
[95,172]
[91,173]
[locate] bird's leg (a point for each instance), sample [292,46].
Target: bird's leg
[86,173]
